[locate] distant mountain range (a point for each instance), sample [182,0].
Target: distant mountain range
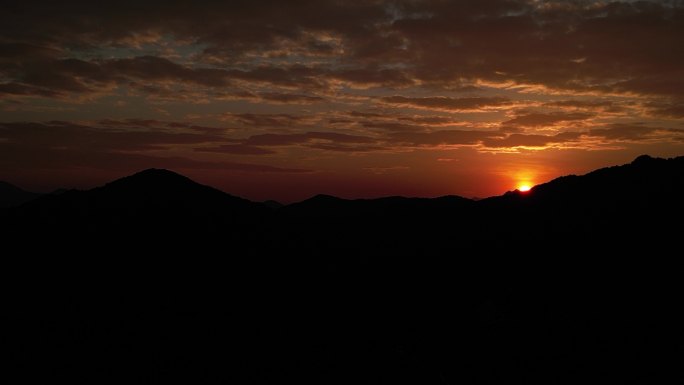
[156,279]
[640,198]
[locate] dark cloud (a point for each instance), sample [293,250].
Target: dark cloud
[60,159]
[666,84]
[448,104]
[623,131]
[69,135]
[393,126]
[313,45]
[540,119]
[444,137]
[236,149]
[393,121]
[340,121]
[266,120]
[577,48]
[345,148]
[584,104]
[158,124]
[675,111]
[374,77]
[490,139]
[53,77]
[161,69]
[293,139]
[428,120]
[289,98]
[387,74]
[365,114]
[294,76]
[523,140]
[248,167]
[17,52]
[65,145]
[132,122]
[636,132]
[17,89]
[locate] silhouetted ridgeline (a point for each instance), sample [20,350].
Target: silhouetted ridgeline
[636,202]
[168,281]
[11,196]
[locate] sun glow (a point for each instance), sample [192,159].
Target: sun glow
[524,187]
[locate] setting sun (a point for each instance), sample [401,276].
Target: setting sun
[524,187]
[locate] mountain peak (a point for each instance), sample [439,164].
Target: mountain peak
[643,159]
[153,178]
[148,194]
[155,186]
[6,186]
[159,173]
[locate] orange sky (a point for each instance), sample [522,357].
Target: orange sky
[283,100]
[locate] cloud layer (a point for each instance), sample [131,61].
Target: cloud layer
[281,87]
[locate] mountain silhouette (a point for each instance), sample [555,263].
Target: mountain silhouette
[11,195]
[638,199]
[154,278]
[162,188]
[152,201]
[646,179]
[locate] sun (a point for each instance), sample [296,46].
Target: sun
[523,180]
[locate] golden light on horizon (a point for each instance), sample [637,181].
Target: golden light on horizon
[523,179]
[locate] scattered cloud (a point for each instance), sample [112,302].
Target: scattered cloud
[596,105]
[58,144]
[308,137]
[266,120]
[448,104]
[382,43]
[444,137]
[286,98]
[672,111]
[623,131]
[530,140]
[541,119]
[103,83]
[71,135]
[237,149]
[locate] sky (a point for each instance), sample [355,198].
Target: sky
[288,99]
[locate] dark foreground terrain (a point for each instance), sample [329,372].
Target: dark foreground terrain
[155,279]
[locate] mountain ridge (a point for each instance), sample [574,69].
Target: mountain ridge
[11,195]
[158,180]
[610,202]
